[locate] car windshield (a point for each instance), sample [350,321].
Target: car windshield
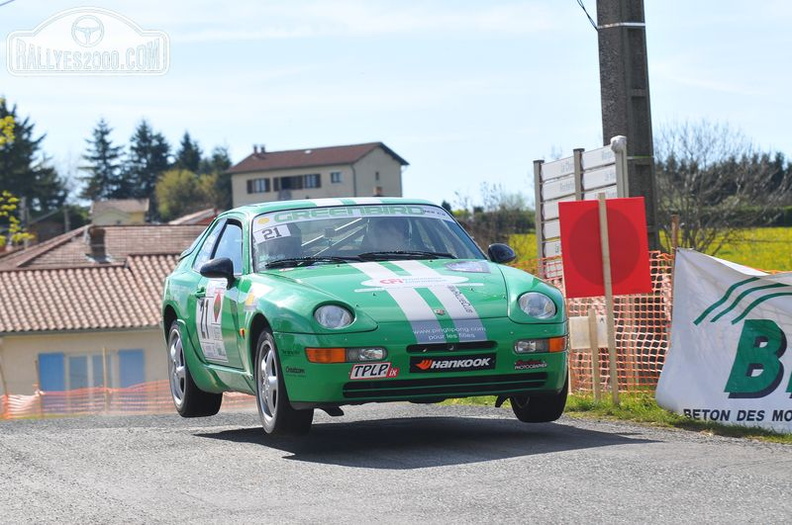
[358,233]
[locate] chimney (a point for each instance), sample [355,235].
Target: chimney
[262,148]
[255,149]
[96,241]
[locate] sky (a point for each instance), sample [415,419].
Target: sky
[468,92]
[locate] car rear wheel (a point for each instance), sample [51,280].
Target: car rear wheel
[190,400]
[540,409]
[276,413]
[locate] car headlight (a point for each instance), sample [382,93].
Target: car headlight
[333,316]
[537,305]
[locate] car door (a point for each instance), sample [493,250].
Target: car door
[214,301]
[223,298]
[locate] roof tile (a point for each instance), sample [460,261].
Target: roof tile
[89,298]
[54,286]
[310,157]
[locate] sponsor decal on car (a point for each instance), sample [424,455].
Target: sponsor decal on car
[407,281]
[277,231]
[325,212]
[294,370]
[373,371]
[462,363]
[208,312]
[467,325]
[530,364]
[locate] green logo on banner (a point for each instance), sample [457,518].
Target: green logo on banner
[757,370]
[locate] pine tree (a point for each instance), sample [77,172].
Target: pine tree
[189,155]
[25,171]
[217,166]
[103,165]
[146,162]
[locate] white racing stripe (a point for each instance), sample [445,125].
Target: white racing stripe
[423,320]
[461,311]
[326,202]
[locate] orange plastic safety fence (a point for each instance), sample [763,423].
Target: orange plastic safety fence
[642,326]
[146,398]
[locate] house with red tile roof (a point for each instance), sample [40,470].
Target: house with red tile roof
[83,309]
[357,170]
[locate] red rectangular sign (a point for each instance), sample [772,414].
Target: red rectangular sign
[581,250]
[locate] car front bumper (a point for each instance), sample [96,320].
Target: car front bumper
[421,372]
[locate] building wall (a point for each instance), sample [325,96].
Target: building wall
[327,188]
[112,217]
[378,173]
[358,181]
[20,353]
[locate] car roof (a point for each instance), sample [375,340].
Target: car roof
[267,207]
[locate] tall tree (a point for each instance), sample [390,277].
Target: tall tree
[188,157]
[180,192]
[717,182]
[148,159]
[25,170]
[104,179]
[497,215]
[216,168]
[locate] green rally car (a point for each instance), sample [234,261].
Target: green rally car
[323,303]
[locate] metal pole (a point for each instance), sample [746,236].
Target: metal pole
[104,379]
[539,219]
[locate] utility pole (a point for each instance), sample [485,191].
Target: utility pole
[624,88]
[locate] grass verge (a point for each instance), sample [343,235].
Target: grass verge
[641,408]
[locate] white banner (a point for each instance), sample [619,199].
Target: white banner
[728,360]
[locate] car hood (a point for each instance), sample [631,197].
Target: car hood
[425,290]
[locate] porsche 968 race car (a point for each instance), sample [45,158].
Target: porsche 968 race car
[317,304]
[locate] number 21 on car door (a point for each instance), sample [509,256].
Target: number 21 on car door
[208,318]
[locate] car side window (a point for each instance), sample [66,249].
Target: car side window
[207,248]
[230,245]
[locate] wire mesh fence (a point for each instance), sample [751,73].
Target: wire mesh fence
[642,325]
[153,397]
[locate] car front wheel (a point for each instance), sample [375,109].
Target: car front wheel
[540,409]
[190,400]
[276,413]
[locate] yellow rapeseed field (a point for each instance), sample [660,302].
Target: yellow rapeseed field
[763,248]
[768,249]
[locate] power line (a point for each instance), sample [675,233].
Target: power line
[583,7]
[6,3]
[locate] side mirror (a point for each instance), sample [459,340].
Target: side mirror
[220,268]
[501,253]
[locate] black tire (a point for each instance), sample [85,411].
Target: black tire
[190,401]
[540,409]
[277,415]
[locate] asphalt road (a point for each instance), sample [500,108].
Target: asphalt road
[390,463]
